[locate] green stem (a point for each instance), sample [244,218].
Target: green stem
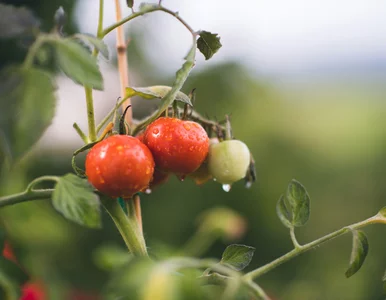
[90,114]
[29,59]
[81,133]
[100,19]
[293,238]
[42,194]
[110,114]
[143,12]
[38,180]
[127,227]
[304,248]
[198,244]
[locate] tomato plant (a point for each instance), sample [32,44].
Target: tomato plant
[173,138]
[178,146]
[120,166]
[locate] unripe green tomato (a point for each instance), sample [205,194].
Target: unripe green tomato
[228,161]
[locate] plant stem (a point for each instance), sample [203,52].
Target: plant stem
[41,194]
[123,64]
[293,238]
[127,227]
[38,180]
[143,12]
[304,248]
[100,19]
[29,59]
[90,114]
[80,133]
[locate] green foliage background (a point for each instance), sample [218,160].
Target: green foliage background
[329,136]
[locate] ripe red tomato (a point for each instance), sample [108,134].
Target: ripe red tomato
[33,291]
[120,166]
[178,146]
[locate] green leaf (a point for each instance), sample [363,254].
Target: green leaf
[283,212]
[16,21]
[130,3]
[27,106]
[382,212]
[208,43]
[237,256]
[74,198]
[11,278]
[91,40]
[156,91]
[360,248]
[78,64]
[299,202]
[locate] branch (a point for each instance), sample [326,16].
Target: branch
[42,194]
[379,218]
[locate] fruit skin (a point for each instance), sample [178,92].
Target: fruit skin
[120,166]
[178,146]
[228,161]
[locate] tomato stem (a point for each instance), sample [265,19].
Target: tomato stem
[127,227]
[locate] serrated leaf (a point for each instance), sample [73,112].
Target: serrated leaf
[208,43]
[91,40]
[299,202]
[382,212]
[74,198]
[156,91]
[78,64]
[27,106]
[15,21]
[283,212]
[130,3]
[360,248]
[11,278]
[237,256]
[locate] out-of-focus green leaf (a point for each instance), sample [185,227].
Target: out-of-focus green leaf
[74,198]
[11,278]
[360,248]
[27,106]
[156,91]
[283,212]
[237,256]
[110,257]
[77,63]
[208,43]
[90,40]
[299,201]
[15,21]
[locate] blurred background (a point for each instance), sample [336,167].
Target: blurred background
[304,82]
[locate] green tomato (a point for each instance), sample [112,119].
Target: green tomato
[228,161]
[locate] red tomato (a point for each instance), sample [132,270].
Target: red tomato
[178,146]
[120,166]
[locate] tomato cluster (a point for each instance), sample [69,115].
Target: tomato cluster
[122,165]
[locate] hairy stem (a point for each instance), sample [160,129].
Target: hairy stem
[90,115]
[29,59]
[293,238]
[304,248]
[127,227]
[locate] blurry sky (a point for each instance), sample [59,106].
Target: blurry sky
[270,36]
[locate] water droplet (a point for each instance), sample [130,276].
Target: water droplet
[248,184]
[156,132]
[226,187]
[182,177]
[148,191]
[191,136]
[187,126]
